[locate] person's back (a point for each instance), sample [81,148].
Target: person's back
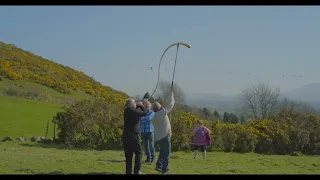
[201,139]
[131,121]
[200,136]
[161,124]
[130,138]
[162,129]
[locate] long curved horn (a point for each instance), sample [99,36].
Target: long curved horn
[174,44]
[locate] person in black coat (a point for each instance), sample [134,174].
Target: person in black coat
[131,140]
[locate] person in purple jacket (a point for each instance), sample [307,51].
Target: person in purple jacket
[201,139]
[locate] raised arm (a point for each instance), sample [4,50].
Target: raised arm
[149,117]
[170,104]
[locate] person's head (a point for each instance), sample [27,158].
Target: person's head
[199,123]
[131,103]
[156,106]
[146,104]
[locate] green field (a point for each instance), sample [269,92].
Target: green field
[32,158]
[21,117]
[25,118]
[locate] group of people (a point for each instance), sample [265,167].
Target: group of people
[153,124]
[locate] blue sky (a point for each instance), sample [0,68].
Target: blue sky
[117,45]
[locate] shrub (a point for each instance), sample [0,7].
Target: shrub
[272,136]
[304,132]
[11,92]
[182,124]
[247,139]
[93,124]
[233,137]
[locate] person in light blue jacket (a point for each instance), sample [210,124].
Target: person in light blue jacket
[147,132]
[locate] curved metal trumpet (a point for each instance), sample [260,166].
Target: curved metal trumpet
[174,44]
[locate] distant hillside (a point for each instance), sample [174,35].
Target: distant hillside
[29,72]
[213,101]
[309,94]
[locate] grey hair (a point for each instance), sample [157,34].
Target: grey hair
[144,101]
[156,106]
[129,102]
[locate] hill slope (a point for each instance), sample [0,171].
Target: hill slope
[308,93]
[32,73]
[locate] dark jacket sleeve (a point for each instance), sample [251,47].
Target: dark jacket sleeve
[135,116]
[132,118]
[139,112]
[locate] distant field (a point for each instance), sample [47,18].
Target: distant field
[31,158]
[25,118]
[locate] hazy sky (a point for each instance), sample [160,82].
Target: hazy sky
[117,45]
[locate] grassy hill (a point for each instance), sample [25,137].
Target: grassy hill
[37,158]
[32,90]
[38,78]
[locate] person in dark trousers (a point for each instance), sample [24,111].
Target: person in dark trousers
[130,137]
[162,129]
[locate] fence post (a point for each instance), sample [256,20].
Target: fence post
[47,129]
[54,131]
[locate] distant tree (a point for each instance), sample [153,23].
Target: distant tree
[206,113]
[261,100]
[164,91]
[242,120]
[137,98]
[233,118]
[226,117]
[216,115]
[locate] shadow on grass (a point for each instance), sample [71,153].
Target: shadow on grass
[45,145]
[89,173]
[55,145]
[115,161]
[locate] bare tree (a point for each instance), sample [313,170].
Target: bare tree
[306,108]
[249,99]
[164,91]
[137,97]
[261,100]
